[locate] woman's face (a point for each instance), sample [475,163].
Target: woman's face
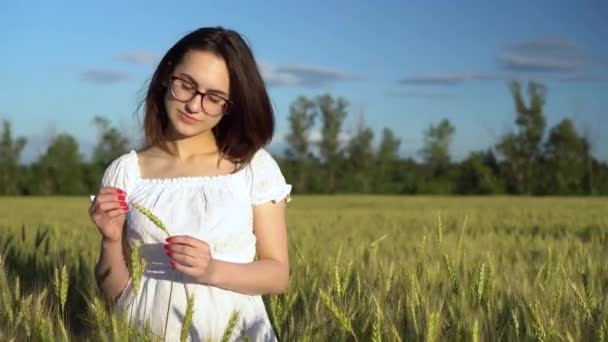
[207,73]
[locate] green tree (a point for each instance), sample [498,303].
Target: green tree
[10,153]
[302,114]
[110,145]
[436,146]
[522,149]
[565,160]
[59,170]
[476,175]
[333,113]
[386,162]
[360,157]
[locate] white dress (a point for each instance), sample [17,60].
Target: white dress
[216,209]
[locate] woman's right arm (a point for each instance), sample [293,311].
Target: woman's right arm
[108,212]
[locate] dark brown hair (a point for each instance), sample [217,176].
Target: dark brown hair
[249,122]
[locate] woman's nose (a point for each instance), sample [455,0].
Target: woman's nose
[195,104]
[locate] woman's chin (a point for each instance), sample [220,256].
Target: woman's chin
[180,130]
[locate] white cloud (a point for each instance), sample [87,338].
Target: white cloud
[302,75]
[138,57]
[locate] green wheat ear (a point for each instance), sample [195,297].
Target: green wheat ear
[147,213]
[187,319]
[138,267]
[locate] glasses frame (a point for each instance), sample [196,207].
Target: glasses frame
[197,92]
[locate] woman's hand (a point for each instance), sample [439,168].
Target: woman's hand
[108,213]
[190,256]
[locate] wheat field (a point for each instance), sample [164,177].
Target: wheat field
[363,268]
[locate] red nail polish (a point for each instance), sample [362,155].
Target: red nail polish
[167,246]
[123,203]
[172,263]
[121,197]
[120,191]
[169,254]
[168,239]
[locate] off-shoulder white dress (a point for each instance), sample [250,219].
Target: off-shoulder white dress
[216,209]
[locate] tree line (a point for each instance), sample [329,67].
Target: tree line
[531,160]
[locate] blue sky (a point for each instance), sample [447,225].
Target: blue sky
[400,64]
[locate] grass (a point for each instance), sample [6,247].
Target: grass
[362,268]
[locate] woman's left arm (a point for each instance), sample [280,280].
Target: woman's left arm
[267,275]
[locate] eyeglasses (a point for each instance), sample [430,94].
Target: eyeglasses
[184,91]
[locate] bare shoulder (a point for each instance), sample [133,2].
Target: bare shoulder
[151,160]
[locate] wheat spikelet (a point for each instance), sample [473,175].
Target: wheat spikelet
[7,305]
[347,274]
[60,285]
[451,273]
[582,302]
[17,290]
[147,213]
[377,241]
[557,297]
[43,330]
[38,303]
[138,267]
[481,281]
[333,308]
[539,329]
[475,332]
[234,317]
[337,282]
[23,311]
[358,284]
[3,278]
[187,319]
[56,283]
[275,308]
[439,229]
[432,327]
[376,333]
[515,322]
[18,319]
[64,283]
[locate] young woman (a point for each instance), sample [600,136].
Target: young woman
[206,175]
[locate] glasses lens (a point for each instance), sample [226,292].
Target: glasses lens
[213,104]
[182,90]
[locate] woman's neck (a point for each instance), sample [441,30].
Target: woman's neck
[185,148]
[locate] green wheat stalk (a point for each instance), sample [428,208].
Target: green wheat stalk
[187,319]
[230,326]
[161,225]
[138,267]
[147,213]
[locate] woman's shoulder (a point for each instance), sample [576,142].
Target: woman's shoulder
[125,160]
[262,159]
[121,171]
[267,180]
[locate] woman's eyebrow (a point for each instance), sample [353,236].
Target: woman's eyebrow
[191,79]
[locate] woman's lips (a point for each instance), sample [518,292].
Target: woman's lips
[187,118]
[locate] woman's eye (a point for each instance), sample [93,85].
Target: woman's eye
[187,86]
[215,98]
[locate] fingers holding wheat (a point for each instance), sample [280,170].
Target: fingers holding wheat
[107,211]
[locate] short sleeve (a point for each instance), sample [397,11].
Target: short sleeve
[267,180]
[120,173]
